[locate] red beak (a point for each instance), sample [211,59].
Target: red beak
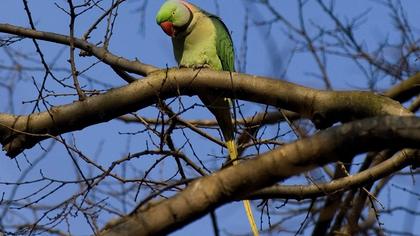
[168,27]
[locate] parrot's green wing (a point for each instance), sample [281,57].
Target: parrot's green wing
[224,45]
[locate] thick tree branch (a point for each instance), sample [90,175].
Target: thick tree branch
[324,107]
[400,92]
[208,193]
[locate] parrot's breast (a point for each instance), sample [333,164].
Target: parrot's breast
[198,48]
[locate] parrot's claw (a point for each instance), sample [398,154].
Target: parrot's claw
[202,66]
[196,67]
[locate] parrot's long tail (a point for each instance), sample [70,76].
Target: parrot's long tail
[220,107]
[233,155]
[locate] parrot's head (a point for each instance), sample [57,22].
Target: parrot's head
[174,17]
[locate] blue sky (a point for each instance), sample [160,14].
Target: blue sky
[137,37]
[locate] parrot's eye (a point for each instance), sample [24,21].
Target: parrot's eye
[173,13]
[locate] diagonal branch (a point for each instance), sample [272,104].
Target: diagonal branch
[299,192]
[406,89]
[210,192]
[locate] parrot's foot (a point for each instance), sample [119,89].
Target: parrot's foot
[196,67]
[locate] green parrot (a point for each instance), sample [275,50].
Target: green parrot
[201,39]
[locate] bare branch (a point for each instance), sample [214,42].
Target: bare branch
[98,52]
[323,107]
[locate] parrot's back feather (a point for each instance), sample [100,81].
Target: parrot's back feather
[224,45]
